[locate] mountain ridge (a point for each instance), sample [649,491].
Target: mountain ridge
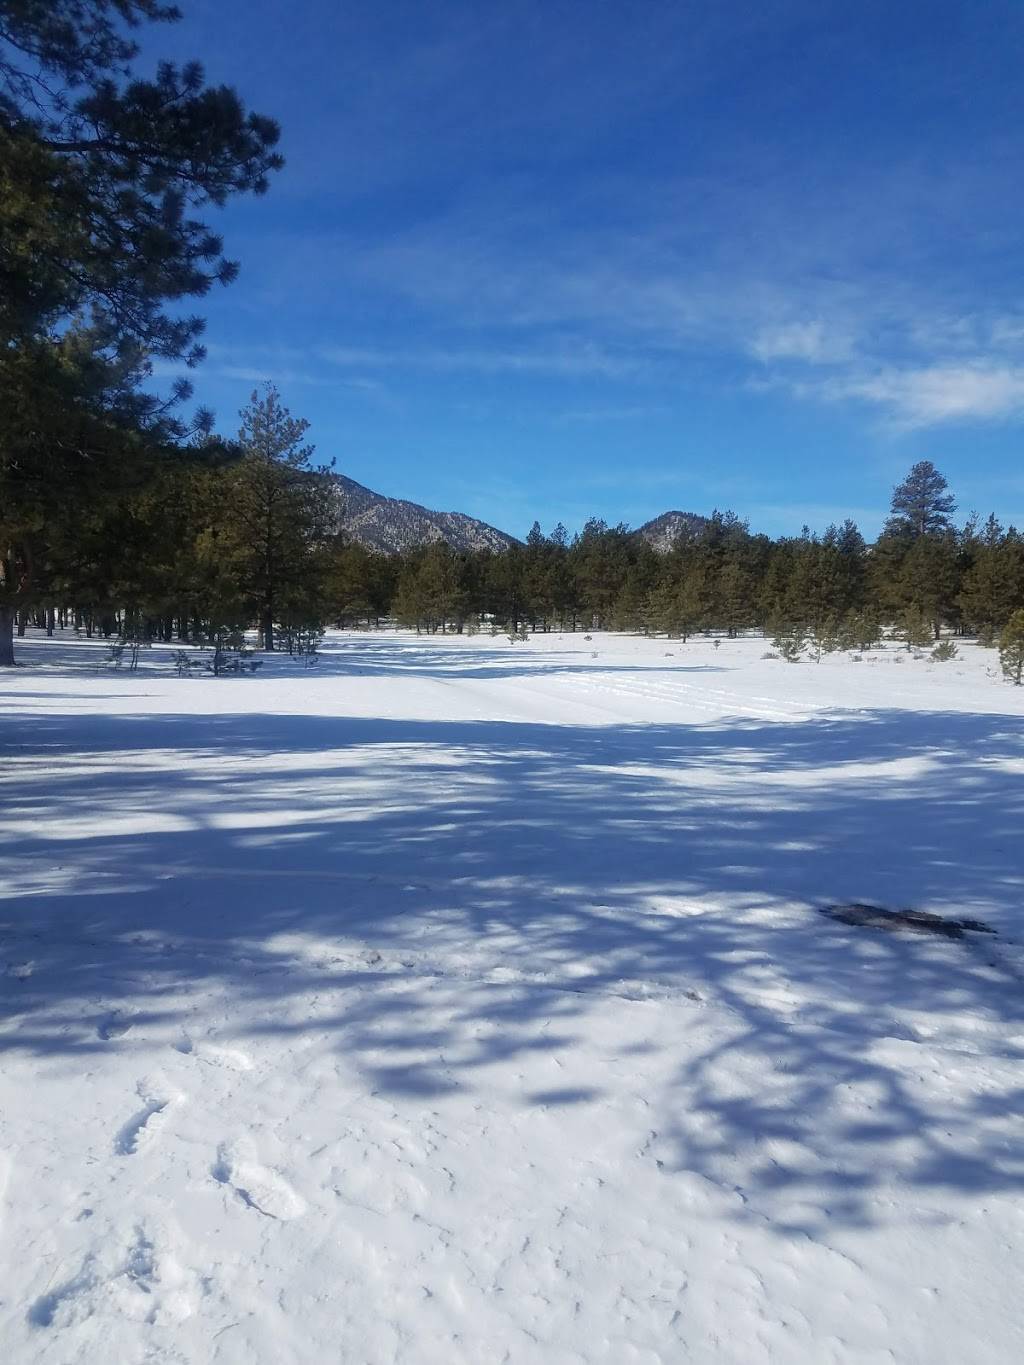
[393,525]
[662,532]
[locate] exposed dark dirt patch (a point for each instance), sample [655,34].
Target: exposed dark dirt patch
[916,921]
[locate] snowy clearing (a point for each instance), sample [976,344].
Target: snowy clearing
[457,1001]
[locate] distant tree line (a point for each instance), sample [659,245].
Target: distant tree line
[223,536]
[921,577]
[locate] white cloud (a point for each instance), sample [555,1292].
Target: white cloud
[928,396]
[815,342]
[1008,331]
[583,358]
[284,378]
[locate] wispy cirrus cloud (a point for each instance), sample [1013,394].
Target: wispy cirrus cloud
[637,412]
[270,374]
[815,342]
[569,359]
[823,292]
[912,398]
[244,364]
[258,374]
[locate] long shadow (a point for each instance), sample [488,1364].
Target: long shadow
[462,893]
[387,656]
[456,656]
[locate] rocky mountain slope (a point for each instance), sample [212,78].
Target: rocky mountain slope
[393,525]
[664,531]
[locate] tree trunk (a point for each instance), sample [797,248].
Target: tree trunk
[267,630]
[6,636]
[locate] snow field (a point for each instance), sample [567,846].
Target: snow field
[461,1001]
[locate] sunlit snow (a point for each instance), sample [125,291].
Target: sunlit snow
[461,1001]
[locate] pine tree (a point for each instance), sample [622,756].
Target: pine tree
[279,513]
[1011,648]
[843,567]
[993,585]
[599,560]
[75,437]
[825,636]
[504,587]
[885,565]
[921,504]
[790,644]
[929,578]
[774,600]
[101,176]
[914,627]
[860,630]
[538,597]
[442,596]
[629,611]
[733,597]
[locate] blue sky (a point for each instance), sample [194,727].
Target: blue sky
[560,259]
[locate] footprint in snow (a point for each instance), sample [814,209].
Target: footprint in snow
[44,1312]
[146,1122]
[113,1026]
[261,1189]
[229,1058]
[137,1281]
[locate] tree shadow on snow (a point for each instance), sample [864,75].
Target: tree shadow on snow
[458,894]
[366,656]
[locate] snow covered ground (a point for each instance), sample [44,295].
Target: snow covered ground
[458,1001]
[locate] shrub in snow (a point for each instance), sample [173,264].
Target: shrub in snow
[230,654]
[790,646]
[187,663]
[124,652]
[944,651]
[303,644]
[1011,648]
[859,630]
[826,637]
[913,628]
